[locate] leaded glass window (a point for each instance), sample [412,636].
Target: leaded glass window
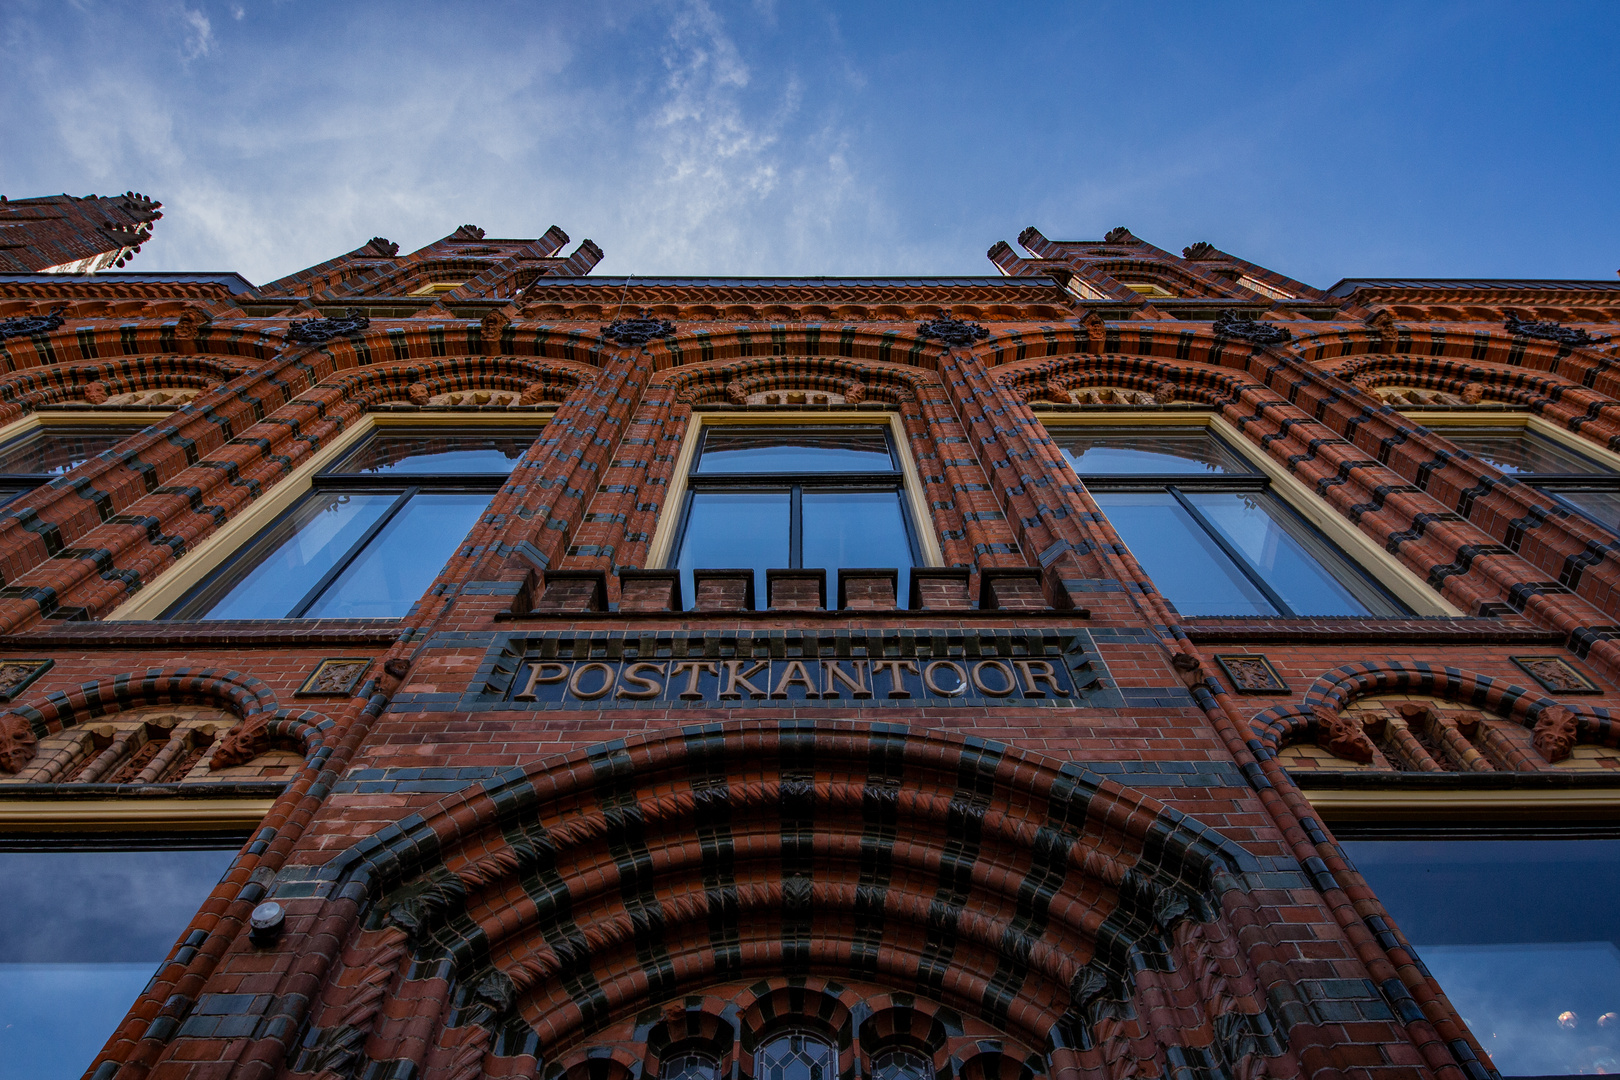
[796,1055]
[901,1063]
[690,1064]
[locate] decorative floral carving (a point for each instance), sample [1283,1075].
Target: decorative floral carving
[337,675]
[378,245]
[1251,674]
[31,324]
[1551,331]
[468,232]
[1229,324]
[535,393]
[17,743]
[15,675]
[639,331]
[320,331]
[1341,736]
[1554,733]
[955,333]
[1200,251]
[1119,235]
[1555,675]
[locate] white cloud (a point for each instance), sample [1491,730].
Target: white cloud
[199,34]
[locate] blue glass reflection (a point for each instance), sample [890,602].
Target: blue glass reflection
[1515,451]
[1524,937]
[1150,452]
[306,545]
[735,529]
[83,932]
[402,560]
[784,450]
[856,529]
[1184,563]
[422,454]
[61,447]
[1248,523]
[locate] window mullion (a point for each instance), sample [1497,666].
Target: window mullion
[349,556]
[796,528]
[1232,553]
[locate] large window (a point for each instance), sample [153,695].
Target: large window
[1579,482]
[1524,937]
[764,498]
[370,536]
[1205,527]
[50,449]
[82,933]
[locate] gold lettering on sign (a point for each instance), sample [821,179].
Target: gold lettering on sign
[539,674]
[832,673]
[795,672]
[1008,683]
[644,687]
[578,677]
[897,683]
[1036,672]
[693,669]
[736,676]
[930,681]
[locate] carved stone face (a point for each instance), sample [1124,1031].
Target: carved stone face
[1342,736]
[17,744]
[1554,733]
[241,744]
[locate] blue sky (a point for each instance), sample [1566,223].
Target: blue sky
[697,137]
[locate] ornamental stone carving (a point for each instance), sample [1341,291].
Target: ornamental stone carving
[639,331]
[1342,736]
[1201,251]
[381,246]
[17,743]
[1229,324]
[24,325]
[1554,733]
[1119,235]
[954,333]
[320,331]
[1551,331]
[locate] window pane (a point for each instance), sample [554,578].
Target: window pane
[1135,451]
[1523,935]
[734,529]
[901,1063]
[1254,525]
[422,452]
[1515,450]
[83,932]
[1602,506]
[788,450]
[856,529]
[1186,565]
[400,563]
[796,1056]
[298,551]
[61,447]
[690,1065]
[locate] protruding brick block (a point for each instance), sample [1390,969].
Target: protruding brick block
[649,590]
[573,590]
[1012,588]
[868,589]
[940,588]
[723,590]
[796,590]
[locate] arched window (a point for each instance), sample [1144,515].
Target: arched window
[796,1055]
[901,1063]
[690,1063]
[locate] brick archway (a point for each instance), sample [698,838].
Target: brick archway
[562,898]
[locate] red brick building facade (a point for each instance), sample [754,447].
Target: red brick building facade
[591,805]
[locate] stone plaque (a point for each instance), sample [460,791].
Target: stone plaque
[1055,668]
